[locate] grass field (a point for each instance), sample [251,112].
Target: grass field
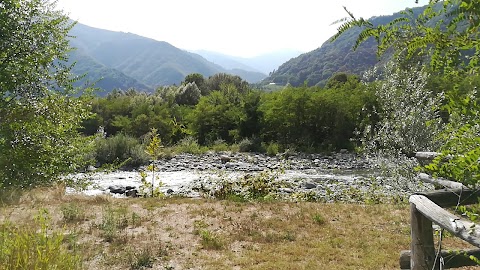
[185,233]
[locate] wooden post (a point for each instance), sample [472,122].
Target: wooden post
[422,246]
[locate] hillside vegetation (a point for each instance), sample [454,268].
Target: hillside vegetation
[126,60]
[334,56]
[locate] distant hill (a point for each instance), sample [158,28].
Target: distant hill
[125,60]
[264,63]
[317,66]
[104,77]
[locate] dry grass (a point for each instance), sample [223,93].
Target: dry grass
[182,233]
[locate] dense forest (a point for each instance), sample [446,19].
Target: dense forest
[224,108]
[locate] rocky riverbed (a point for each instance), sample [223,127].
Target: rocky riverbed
[340,176]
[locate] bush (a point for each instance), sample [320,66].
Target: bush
[120,148]
[220,146]
[189,145]
[35,248]
[272,149]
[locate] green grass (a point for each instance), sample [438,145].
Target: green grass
[32,246]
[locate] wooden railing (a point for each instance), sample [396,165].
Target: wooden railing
[426,208]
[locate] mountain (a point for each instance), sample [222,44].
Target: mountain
[264,63]
[125,60]
[317,66]
[104,77]
[226,61]
[148,61]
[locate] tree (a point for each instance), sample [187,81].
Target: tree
[39,111]
[216,82]
[198,79]
[447,34]
[188,94]
[218,116]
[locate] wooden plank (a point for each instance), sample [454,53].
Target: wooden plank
[440,181]
[451,258]
[452,197]
[422,246]
[461,228]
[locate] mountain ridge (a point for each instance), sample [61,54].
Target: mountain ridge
[126,60]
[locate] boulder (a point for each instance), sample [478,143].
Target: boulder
[117,189]
[224,159]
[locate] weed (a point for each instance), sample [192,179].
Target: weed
[318,219]
[220,146]
[143,259]
[198,226]
[113,221]
[210,240]
[136,219]
[273,149]
[190,145]
[72,212]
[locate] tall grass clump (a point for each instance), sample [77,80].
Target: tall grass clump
[190,145]
[120,148]
[35,247]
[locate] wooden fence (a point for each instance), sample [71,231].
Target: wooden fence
[426,208]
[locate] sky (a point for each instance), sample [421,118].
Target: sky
[244,28]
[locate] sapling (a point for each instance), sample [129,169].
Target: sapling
[154,150]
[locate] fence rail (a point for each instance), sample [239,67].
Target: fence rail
[426,209]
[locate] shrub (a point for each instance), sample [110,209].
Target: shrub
[211,240]
[189,145]
[36,247]
[120,148]
[219,146]
[272,149]
[72,212]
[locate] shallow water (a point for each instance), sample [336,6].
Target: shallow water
[179,181]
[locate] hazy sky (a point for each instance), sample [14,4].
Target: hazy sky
[242,28]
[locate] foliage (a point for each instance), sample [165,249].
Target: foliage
[460,157]
[120,149]
[219,81]
[188,94]
[218,116]
[154,151]
[39,111]
[261,187]
[315,118]
[453,47]
[36,247]
[409,120]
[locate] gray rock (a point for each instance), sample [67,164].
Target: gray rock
[224,159]
[117,189]
[308,185]
[131,193]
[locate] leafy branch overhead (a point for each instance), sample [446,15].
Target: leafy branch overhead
[447,31]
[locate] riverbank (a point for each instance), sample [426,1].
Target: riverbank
[336,177]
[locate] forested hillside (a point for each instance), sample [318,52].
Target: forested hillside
[102,77]
[126,60]
[317,66]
